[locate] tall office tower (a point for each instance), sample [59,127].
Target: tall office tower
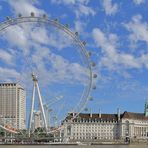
[13,105]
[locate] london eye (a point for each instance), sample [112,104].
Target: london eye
[46,53]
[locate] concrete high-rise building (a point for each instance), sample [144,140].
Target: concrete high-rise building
[13,105]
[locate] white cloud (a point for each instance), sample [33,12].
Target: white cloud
[129,61]
[25,7]
[16,35]
[55,69]
[7,74]
[64,1]
[112,58]
[63,39]
[70,2]
[144,60]
[138,2]
[115,60]
[51,67]
[25,35]
[84,10]
[138,29]
[109,7]
[33,41]
[5,56]
[64,70]
[39,35]
[79,7]
[79,26]
[105,43]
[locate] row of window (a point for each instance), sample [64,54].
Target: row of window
[94,121]
[93,127]
[12,84]
[93,134]
[84,138]
[102,130]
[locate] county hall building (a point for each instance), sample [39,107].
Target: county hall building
[106,127]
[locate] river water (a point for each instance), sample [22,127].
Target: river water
[66,146]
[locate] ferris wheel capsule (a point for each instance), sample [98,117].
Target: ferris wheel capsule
[56,20]
[89,54]
[94,87]
[8,18]
[93,64]
[84,43]
[32,14]
[66,25]
[44,16]
[91,98]
[19,15]
[94,75]
[76,33]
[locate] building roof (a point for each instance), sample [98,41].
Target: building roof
[95,116]
[11,84]
[7,83]
[106,117]
[136,116]
[87,116]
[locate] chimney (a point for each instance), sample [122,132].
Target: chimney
[118,113]
[99,113]
[90,113]
[146,109]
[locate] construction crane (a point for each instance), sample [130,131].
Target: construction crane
[48,109]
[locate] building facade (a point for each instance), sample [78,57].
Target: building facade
[134,126]
[106,127]
[13,105]
[37,119]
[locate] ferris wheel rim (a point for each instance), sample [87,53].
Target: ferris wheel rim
[15,21]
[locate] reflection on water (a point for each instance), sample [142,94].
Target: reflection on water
[95,146]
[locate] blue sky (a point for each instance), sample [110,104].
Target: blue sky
[116,33]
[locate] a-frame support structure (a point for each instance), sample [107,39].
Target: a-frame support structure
[36,86]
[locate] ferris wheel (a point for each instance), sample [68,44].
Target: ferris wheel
[58,61]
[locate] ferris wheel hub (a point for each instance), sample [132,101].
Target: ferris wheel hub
[34,77]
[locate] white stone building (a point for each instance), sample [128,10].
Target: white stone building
[106,127]
[134,126]
[37,119]
[13,105]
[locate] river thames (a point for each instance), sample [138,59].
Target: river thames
[59,146]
